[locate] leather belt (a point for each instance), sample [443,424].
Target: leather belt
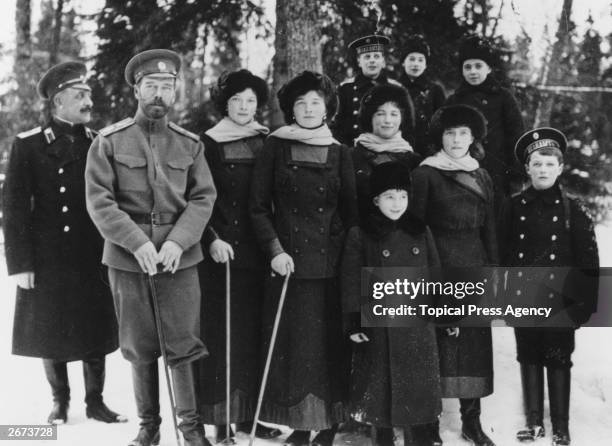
[155,218]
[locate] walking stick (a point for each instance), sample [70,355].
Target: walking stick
[227,351]
[264,378]
[162,347]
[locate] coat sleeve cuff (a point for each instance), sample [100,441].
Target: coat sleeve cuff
[274,248]
[136,240]
[210,235]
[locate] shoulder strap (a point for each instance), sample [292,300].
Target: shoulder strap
[182,131]
[29,133]
[113,128]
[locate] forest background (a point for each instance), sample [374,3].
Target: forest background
[564,82]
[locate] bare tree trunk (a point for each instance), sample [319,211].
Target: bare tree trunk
[297,44]
[23,50]
[542,116]
[57,33]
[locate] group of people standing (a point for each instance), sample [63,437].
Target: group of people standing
[372,173]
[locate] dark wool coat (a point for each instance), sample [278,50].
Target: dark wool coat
[427,96]
[458,207]
[364,161]
[394,376]
[69,314]
[549,229]
[504,127]
[346,124]
[231,165]
[302,202]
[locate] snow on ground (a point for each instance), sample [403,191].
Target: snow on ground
[25,397]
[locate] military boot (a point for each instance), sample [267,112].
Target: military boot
[559,380]
[186,406]
[94,374]
[146,393]
[471,429]
[57,375]
[532,378]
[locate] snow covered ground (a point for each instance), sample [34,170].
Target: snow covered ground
[25,396]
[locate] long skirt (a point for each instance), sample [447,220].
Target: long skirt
[308,379]
[247,287]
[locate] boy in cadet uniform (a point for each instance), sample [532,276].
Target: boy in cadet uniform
[150,193]
[370,53]
[543,227]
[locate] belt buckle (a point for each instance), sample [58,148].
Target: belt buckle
[155,220]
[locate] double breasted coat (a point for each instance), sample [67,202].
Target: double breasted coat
[302,203]
[69,314]
[395,375]
[427,97]
[346,123]
[549,230]
[458,207]
[504,127]
[231,164]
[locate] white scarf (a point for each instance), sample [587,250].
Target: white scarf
[227,130]
[321,136]
[375,143]
[442,161]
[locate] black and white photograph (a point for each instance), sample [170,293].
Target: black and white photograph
[196,195]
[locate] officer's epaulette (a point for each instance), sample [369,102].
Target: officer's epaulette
[113,128]
[28,133]
[348,81]
[90,133]
[394,82]
[182,131]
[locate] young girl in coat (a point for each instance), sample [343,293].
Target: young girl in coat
[395,373]
[453,195]
[302,203]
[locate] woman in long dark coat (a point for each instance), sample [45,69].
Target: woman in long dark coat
[481,90]
[454,196]
[302,203]
[395,374]
[385,111]
[231,148]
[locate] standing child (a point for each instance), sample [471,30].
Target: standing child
[543,227]
[395,376]
[427,95]
[482,91]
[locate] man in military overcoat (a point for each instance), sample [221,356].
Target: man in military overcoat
[64,309]
[150,193]
[370,55]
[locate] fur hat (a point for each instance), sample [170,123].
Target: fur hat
[235,82]
[475,47]
[303,83]
[415,43]
[455,116]
[381,94]
[386,176]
